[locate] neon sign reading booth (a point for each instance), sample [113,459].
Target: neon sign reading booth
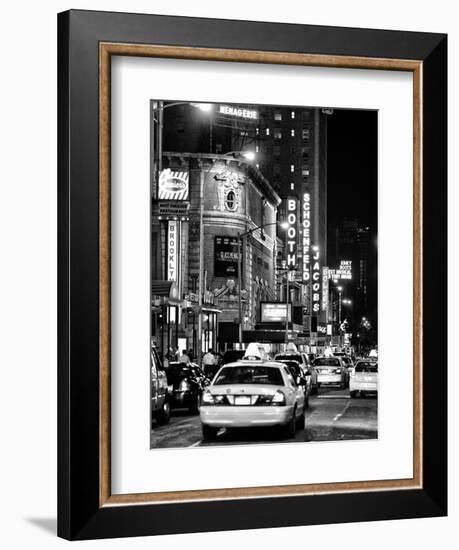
[306,207]
[292,231]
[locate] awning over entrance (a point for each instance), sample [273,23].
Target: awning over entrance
[165,288]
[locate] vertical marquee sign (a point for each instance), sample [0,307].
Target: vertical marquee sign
[306,242]
[325,291]
[292,231]
[316,281]
[172,245]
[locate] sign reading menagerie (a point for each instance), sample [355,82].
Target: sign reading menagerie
[238,112]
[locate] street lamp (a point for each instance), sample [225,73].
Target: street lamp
[248,155]
[240,236]
[157,115]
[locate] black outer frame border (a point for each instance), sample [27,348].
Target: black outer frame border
[79,515]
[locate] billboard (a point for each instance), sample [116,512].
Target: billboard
[226,256]
[173,185]
[343,272]
[274,312]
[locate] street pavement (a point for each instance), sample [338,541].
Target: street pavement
[332,416]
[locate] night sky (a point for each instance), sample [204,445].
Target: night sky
[353,181]
[352,167]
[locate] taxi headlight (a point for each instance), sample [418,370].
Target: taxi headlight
[278,398]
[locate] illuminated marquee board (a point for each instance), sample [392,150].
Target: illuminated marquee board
[272,312]
[344,271]
[292,231]
[306,223]
[172,250]
[238,112]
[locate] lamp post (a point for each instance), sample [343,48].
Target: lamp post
[340,290]
[157,116]
[240,236]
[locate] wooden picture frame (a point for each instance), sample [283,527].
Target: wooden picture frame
[86,507]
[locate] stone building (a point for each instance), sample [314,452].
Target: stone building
[227,197]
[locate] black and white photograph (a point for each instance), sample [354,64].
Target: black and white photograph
[264,301]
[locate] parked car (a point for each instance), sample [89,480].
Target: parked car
[252,392]
[330,370]
[305,364]
[301,377]
[186,383]
[364,378]
[160,406]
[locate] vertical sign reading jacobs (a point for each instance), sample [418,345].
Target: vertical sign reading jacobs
[316,281]
[172,250]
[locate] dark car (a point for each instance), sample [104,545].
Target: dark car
[305,364]
[160,406]
[300,377]
[186,382]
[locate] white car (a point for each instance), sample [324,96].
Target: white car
[331,370]
[364,378]
[252,393]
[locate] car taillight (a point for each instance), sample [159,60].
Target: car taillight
[338,371]
[207,398]
[278,398]
[184,385]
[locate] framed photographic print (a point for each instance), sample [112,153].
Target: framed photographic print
[252,275]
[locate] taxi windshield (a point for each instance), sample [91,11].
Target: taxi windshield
[249,375]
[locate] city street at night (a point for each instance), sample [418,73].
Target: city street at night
[332,416]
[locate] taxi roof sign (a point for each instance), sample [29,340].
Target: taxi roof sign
[255,352]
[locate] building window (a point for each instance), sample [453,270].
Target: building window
[257,131]
[292,114]
[276,150]
[306,133]
[292,187]
[304,171]
[257,148]
[267,131]
[277,115]
[230,201]
[292,132]
[276,169]
[292,168]
[277,133]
